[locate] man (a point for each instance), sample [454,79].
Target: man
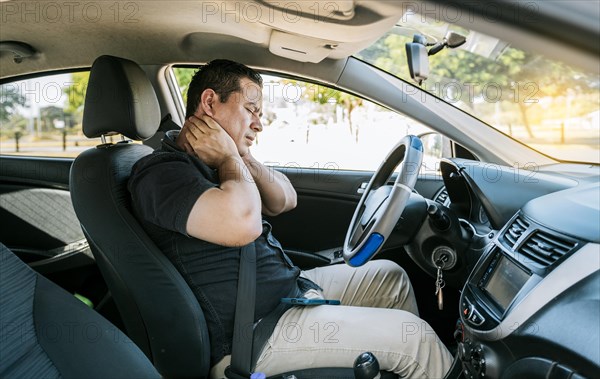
[200,197]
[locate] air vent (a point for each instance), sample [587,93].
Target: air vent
[544,249]
[442,197]
[515,231]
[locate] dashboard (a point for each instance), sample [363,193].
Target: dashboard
[530,306]
[490,194]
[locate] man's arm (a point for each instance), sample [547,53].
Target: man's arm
[276,192]
[229,215]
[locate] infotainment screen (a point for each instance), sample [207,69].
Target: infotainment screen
[505,282]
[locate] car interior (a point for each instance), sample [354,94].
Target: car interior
[495,218]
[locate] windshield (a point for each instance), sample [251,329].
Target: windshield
[545,104]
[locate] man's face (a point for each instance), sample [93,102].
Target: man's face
[240,114]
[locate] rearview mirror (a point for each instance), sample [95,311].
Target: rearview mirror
[418,56]
[418,61]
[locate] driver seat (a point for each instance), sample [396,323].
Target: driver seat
[159,311]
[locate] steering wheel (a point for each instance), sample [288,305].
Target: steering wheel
[381,205]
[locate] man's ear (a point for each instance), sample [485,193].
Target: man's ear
[207,100]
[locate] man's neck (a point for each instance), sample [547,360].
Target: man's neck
[180,140]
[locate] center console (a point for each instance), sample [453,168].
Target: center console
[497,283]
[507,286]
[494,288]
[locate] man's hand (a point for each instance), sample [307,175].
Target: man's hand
[236,200]
[206,139]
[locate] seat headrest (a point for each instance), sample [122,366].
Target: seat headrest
[120,99]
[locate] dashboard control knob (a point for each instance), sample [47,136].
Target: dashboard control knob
[472,358]
[478,361]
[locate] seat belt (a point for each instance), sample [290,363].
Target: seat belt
[243,328]
[167,124]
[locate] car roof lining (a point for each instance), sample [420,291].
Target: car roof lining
[187,32]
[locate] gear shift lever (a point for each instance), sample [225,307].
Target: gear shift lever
[366,366]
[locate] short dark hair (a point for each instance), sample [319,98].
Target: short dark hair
[222,76]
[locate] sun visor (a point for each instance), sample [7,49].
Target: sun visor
[340,21]
[299,48]
[304,31]
[310,31]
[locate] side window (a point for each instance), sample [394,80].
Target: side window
[312,126]
[42,116]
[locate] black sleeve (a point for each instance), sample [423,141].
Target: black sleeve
[164,192]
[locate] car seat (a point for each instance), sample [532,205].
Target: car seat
[45,332]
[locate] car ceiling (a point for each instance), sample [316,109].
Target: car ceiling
[159,32]
[269,34]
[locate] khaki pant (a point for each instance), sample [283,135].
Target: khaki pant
[334,335]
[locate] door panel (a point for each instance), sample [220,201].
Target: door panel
[35,171]
[38,221]
[35,205]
